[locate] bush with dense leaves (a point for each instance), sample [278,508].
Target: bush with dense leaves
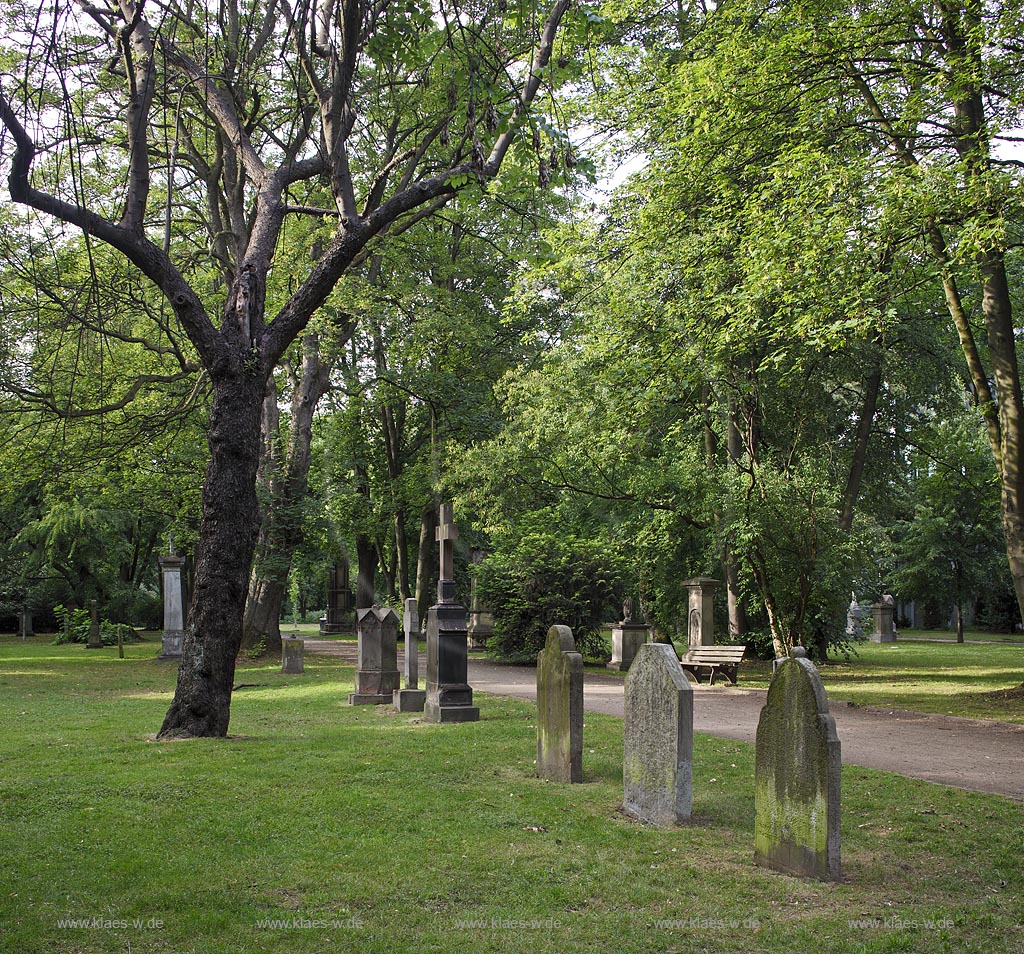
[543,579]
[74,628]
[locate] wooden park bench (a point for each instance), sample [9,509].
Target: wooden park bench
[715,659]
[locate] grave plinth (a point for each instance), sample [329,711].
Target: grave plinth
[377,675]
[883,615]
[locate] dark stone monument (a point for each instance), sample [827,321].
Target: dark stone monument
[293,650]
[560,708]
[627,637]
[377,672]
[449,696]
[658,740]
[411,698]
[796,775]
[171,566]
[95,642]
[339,601]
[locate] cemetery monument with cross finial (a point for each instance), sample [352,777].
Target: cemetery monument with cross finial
[171,566]
[449,696]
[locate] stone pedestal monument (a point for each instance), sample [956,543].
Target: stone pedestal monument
[171,566]
[854,620]
[377,672]
[25,623]
[883,615]
[449,696]
[700,621]
[627,638]
[292,655]
[411,698]
[339,601]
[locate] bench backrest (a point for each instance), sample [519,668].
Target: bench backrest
[714,654]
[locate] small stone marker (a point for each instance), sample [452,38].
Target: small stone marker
[658,743]
[174,606]
[796,775]
[700,622]
[411,698]
[449,695]
[377,675]
[95,641]
[560,708]
[293,649]
[883,613]
[627,637]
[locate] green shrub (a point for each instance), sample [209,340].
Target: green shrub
[543,579]
[74,628]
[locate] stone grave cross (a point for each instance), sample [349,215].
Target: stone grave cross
[447,534]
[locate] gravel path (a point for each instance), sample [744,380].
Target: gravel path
[976,754]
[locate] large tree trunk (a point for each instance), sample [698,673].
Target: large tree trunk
[227,538]
[287,482]
[366,587]
[426,561]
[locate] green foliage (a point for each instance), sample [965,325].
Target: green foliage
[545,578]
[75,625]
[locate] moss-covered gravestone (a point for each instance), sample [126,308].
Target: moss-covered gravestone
[796,775]
[658,744]
[560,708]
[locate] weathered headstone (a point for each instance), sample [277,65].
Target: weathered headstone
[377,672]
[449,695]
[339,601]
[700,622]
[796,775]
[627,637]
[95,641]
[293,650]
[171,566]
[854,619]
[883,616]
[560,708]
[410,698]
[481,619]
[657,766]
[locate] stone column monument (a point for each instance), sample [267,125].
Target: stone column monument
[700,621]
[411,698]
[449,696]
[95,641]
[171,566]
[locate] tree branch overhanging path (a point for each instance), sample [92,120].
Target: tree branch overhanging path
[270,105]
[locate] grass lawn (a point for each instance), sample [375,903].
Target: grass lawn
[357,829]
